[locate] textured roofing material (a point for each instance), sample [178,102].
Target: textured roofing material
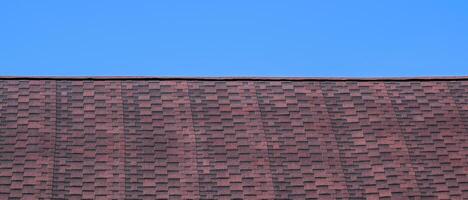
[226,138]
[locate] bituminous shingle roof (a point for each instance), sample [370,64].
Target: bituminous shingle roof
[225,138]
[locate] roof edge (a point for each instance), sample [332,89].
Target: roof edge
[98,78]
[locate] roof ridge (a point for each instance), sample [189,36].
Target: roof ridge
[247,78]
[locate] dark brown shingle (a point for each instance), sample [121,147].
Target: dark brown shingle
[225,138]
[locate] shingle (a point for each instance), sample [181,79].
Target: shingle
[228,138]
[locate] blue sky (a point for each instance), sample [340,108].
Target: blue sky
[234,38]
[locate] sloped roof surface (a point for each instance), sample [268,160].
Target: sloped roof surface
[191,138]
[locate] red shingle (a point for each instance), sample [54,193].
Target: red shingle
[224,138]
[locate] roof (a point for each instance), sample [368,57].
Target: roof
[227,138]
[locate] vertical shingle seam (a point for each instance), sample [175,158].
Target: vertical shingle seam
[257,95]
[402,132]
[333,128]
[334,136]
[124,140]
[195,134]
[57,94]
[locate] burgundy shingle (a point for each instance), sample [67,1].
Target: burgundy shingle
[227,138]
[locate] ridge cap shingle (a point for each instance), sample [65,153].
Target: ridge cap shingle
[239,78]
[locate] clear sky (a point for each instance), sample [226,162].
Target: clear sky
[234,38]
